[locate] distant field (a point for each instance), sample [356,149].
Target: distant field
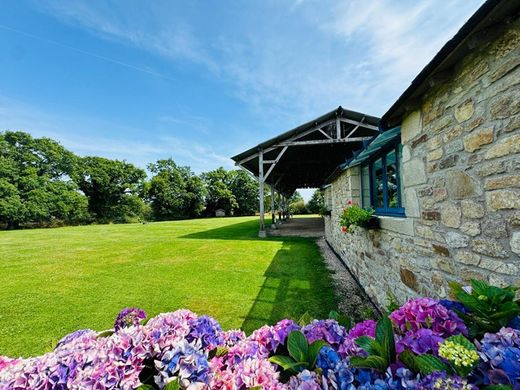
[54,281]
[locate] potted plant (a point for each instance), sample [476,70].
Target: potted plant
[354,215]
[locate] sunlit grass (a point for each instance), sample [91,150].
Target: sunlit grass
[54,281]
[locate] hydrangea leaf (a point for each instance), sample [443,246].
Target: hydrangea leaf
[297,345]
[371,346]
[173,385]
[375,362]
[314,350]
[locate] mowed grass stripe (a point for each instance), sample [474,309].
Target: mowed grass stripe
[55,281]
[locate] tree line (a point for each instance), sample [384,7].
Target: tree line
[44,184]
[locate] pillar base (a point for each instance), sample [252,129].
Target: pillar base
[262,234]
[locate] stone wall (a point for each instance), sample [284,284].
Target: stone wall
[461,180]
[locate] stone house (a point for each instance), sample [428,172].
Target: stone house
[444,174]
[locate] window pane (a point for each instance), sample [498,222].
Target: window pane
[391,180]
[365,186]
[378,182]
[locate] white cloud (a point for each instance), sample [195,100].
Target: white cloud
[290,63]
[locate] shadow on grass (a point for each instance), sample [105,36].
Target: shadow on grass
[238,231]
[296,280]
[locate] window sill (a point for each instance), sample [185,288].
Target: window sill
[395,224]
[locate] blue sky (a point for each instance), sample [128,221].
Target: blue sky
[200,81]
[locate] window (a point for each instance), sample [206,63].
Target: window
[381,182]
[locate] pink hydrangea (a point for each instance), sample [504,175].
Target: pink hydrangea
[427,313]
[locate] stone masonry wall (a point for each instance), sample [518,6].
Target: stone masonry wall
[461,180]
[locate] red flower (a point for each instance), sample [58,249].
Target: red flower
[344,229]
[349,202]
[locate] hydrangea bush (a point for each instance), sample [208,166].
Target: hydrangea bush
[423,345]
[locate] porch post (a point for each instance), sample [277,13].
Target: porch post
[273,215]
[261,232]
[279,207]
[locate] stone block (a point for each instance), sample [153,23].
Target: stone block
[434,154]
[416,142]
[453,133]
[488,247]
[505,68]
[504,147]
[494,226]
[474,124]
[498,266]
[477,139]
[456,240]
[464,111]
[503,200]
[431,215]
[449,161]
[411,126]
[512,181]
[461,185]
[467,257]
[439,194]
[470,228]
[441,250]
[411,203]
[434,143]
[504,106]
[450,215]
[413,173]
[515,242]
[409,279]
[472,209]
[491,168]
[453,147]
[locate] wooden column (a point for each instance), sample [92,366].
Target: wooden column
[273,215]
[261,231]
[279,207]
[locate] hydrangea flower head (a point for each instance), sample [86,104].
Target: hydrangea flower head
[420,313]
[130,316]
[457,354]
[364,328]
[327,330]
[441,380]
[207,330]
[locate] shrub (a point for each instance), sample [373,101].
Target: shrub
[181,350]
[353,215]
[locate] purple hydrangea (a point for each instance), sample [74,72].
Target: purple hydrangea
[421,342]
[500,358]
[186,363]
[454,306]
[82,333]
[207,330]
[441,380]
[349,346]
[130,316]
[327,330]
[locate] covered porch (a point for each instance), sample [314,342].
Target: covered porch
[304,157]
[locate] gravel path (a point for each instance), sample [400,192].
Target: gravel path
[353,301]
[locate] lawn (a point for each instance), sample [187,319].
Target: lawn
[54,281]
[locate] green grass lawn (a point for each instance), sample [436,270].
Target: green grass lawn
[54,281]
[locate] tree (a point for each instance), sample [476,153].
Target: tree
[245,189]
[295,197]
[317,202]
[174,192]
[35,185]
[219,195]
[112,188]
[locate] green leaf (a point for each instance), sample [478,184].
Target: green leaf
[385,337]
[286,362]
[256,388]
[314,350]
[408,359]
[105,333]
[375,362]
[333,315]
[497,387]
[305,319]
[145,387]
[429,363]
[173,385]
[371,346]
[297,345]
